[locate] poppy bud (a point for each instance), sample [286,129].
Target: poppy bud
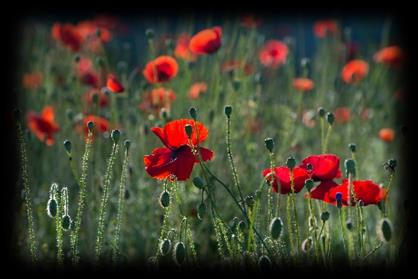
[338,197]
[164,114]
[291,162]
[90,126]
[242,226]
[193,113]
[309,184]
[67,145]
[321,112]
[115,136]
[352,147]
[330,118]
[165,198]
[324,216]
[127,144]
[264,262]
[201,210]
[349,225]
[228,111]
[189,129]
[269,144]
[384,230]
[392,163]
[165,246]
[52,208]
[149,33]
[198,182]
[179,252]
[249,200]
[276,226]
[307,245]
[350,167]
[66,222]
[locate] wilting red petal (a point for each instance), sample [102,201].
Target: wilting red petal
[206,154]
[354,71]
[324,166]
[206,41]
[282,175]
[162,69]
[114,85]
[163,163]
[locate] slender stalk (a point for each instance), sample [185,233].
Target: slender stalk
[82,198]
[325,149]
[295,214]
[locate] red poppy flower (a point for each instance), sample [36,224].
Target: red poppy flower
[43,126]
[196,89]
[273,54]
[162,69]
[114,85]
[206,41]
[354,71]
[324,166]
[157,99]
[102,99]
[68,35]
[320,192]
[363,190]
[342,115]
[32,80]
[177,158]
[303,84]
[232,65]
[282,174]
[182,48]
[325,27]
[392,55]
[87,73]
[387,134]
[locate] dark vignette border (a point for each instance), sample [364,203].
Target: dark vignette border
[404,17]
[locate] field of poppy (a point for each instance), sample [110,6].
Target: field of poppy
[243,142]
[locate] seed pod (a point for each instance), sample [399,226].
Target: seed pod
[276,226]
[115,136]
[67,145]
[349,224]
[330,118]
[179,254]
[189,129]
[52,208]
[321,112]
[291,162]
[198,182]
[350,167]
[352,147]
[307,245]
[324,216]
[269,144]
[165,246]
[165,198]
[201,211]
[228,111]
[384,230]
[66,222]
[193,113]
[264,262]
[309,184]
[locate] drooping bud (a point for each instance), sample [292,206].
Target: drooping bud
[269,144]
[228,111]
[324,216]
[309,184]
[66,222]
[307,245]
[193,113]
[179,253]
[384,230]
[67,145]
[291,162]
[90,126]
[189,130]
[352,147]
[127,144]
[198,182]
[115,136]
[201,210]
[52,208]
[275,227]
[350,167]
[165,199]
[165,246]
[321,112]
[330,118]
